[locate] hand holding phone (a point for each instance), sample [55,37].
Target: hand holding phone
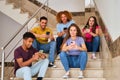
[42,55]
[65,28]
[47,33]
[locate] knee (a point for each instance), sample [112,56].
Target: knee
[97,38]
[59,39]
[27,70]
[35,41]
[46,61]
[53,43]
[83,54]
[62,54]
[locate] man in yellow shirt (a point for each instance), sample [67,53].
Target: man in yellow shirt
[43,34]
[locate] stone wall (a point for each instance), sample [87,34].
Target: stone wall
[106,59]
[115,48]
[115,70]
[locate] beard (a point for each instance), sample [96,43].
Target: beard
[28,46]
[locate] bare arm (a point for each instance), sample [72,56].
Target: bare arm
[51,37]
[28,62]
[96,33]
[62,33]
[64,47]
[82,47]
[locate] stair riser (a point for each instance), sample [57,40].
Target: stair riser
[76,79]
[90,64]
[89,56]
[52,73]
[67,79]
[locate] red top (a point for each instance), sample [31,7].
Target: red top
[88,36]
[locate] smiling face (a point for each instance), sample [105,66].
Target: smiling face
[73,31]
[43,23]
[63,18]
[91,22]
[28,42]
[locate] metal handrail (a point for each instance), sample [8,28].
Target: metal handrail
[2,66]
[3,48]
[13,48]
[24,25]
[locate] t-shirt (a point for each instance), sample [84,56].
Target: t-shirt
[79,41]
[21,53]
[88,36]
[61,26]
[38,30]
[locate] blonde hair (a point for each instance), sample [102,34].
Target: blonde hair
[68,15]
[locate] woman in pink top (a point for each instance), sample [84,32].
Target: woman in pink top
[91,35]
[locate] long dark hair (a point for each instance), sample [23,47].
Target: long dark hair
[94,25]
[79,34]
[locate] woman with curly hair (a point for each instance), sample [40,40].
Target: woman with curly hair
[64,19]
[91,35]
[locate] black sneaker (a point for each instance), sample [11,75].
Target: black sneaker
[51,64]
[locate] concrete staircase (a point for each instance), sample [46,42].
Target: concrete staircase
[94,71]
[14,13]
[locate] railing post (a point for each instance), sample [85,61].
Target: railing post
[2,66]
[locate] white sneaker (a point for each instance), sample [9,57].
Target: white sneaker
[66,76]
[54,66]
[81,75]
[93,56]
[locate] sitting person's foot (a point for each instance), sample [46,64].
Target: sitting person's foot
[93,56]
[81,75]
[51,64]
[67,75]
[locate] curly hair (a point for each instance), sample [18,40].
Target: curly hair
[68,15]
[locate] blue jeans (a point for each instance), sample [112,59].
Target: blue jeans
[47,48]
[94,45]
[71,61]
[59,41]
[39,67]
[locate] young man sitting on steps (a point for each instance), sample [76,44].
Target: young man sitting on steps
[43,34]
[24,55]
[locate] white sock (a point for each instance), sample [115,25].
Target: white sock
[67,73]
[81,73]
[93,54]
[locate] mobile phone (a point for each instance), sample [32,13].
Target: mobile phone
[47,33]
[65,28]
[72,42]
[41,51]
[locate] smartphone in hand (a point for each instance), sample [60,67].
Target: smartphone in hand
[47,33]
[65,28]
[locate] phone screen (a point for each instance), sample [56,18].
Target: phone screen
[47,33]
[65,28]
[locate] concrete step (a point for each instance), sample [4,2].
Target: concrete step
[65,79]
[14,14]
[74,72]
[74,79]
[89,56]
[90,64]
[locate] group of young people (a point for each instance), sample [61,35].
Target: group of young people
[72,45]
